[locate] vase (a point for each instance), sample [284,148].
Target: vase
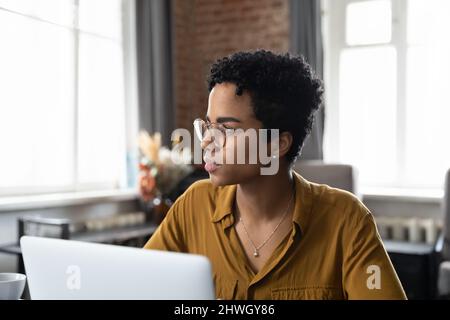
[156,209]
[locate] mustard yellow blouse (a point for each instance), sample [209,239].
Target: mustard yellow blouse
[333,252]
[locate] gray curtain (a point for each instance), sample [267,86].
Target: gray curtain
[154,61]
[306,39]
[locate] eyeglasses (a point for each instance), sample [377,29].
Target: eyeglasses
[215,132]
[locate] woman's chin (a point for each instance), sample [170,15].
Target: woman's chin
[228,174]
[217,180]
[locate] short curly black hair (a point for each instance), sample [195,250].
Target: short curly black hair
[284,90]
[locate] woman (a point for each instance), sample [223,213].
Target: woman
[273,236]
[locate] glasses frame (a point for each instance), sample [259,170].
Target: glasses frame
[206,126]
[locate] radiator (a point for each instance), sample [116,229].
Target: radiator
[415,230]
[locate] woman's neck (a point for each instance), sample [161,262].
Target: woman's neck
[266,197]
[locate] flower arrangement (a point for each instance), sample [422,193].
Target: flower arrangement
[161,169]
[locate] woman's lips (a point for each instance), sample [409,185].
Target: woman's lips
[210,164]
[211,167]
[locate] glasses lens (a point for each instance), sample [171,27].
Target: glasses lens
[199,128]
[215,135]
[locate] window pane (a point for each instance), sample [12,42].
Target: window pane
[428,21]
[102,17]
[428,115]
[427,98]
[101,111]
[368,22]
[36,131]
[367,112]
[56,11]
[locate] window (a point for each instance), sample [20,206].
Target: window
[64,103]
[388,84]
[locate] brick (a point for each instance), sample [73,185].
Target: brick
[205,30]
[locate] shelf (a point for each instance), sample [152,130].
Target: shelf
[116,234]
[404,247]
[103,236]
[12,248]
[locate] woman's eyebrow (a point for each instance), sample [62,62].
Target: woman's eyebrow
[224,119]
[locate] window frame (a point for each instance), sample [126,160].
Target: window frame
[334,18]
[126,181]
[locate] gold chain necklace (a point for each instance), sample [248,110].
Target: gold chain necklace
[257,248]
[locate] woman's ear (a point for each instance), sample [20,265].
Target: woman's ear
[285,142]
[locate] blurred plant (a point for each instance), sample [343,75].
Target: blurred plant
[161,169]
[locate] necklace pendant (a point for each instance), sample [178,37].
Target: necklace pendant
[256,254]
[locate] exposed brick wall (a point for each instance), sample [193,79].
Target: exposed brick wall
[205,30]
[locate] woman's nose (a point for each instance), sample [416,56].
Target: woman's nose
[207,139]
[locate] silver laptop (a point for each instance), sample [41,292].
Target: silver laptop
[62,269]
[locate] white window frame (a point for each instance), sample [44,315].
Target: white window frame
[77,189]
[334,43]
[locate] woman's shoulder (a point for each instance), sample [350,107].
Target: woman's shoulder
[201,188]
[200,194]
[338,202]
